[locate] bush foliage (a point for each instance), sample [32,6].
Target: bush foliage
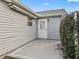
[69,34]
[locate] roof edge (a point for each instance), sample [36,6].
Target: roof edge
[14,4]
[17,5]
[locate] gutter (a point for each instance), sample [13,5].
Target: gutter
[13,4]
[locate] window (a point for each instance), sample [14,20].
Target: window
[29,21]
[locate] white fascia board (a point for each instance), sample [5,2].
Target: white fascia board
[19,2]
[21,10]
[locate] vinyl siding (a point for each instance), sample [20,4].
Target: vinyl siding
[14,30]
[53,28]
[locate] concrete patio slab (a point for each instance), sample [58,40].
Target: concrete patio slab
[40,49]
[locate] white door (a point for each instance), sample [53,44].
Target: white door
[42,28]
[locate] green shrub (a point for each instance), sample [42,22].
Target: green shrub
[68,28]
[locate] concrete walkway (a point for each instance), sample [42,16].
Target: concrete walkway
[41,49]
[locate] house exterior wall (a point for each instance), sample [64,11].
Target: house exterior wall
[53,24]
[53,28]
[14,30]
[34,29]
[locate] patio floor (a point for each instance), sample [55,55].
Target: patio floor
[41,49]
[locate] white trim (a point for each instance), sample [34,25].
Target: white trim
[21,10]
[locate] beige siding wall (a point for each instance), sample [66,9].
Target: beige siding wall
[14,31]
[53,28]
[34,29]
